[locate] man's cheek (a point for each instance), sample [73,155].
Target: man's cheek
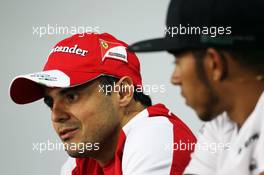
[55,127]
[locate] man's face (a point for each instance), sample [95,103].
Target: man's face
[198,94]
[82,116]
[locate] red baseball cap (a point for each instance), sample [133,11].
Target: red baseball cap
[75,61]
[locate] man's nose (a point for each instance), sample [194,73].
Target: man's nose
[176,77]
[59,113]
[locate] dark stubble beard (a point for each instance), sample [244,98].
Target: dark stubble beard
[212,102]
[209,112]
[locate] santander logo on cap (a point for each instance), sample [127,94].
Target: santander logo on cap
[73,50]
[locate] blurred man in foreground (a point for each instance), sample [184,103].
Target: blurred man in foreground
[219,57]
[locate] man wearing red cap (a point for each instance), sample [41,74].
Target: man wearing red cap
[93,87]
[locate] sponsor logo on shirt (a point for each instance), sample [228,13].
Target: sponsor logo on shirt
[253,165]
[249,142]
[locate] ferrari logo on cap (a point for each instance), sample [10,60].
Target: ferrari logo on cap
[113,50]
[104,44]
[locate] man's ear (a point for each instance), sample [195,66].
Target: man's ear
[125,90]
[215,64]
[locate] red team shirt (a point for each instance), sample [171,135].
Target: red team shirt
[149,144]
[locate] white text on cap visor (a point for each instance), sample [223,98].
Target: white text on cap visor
[51,78]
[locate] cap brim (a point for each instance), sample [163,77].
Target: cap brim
[161,44]
[30,87]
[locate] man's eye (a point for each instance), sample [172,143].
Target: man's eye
[71,97]
[177,61]
[48,101]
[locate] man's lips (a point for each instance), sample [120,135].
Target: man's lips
[182,94]
[67,133]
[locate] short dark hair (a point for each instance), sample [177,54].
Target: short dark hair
[108,82]
[251,58]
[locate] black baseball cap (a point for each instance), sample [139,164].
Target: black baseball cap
[209,23]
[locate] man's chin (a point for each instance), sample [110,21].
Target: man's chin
[82,153]
[76,154]
[205,116]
